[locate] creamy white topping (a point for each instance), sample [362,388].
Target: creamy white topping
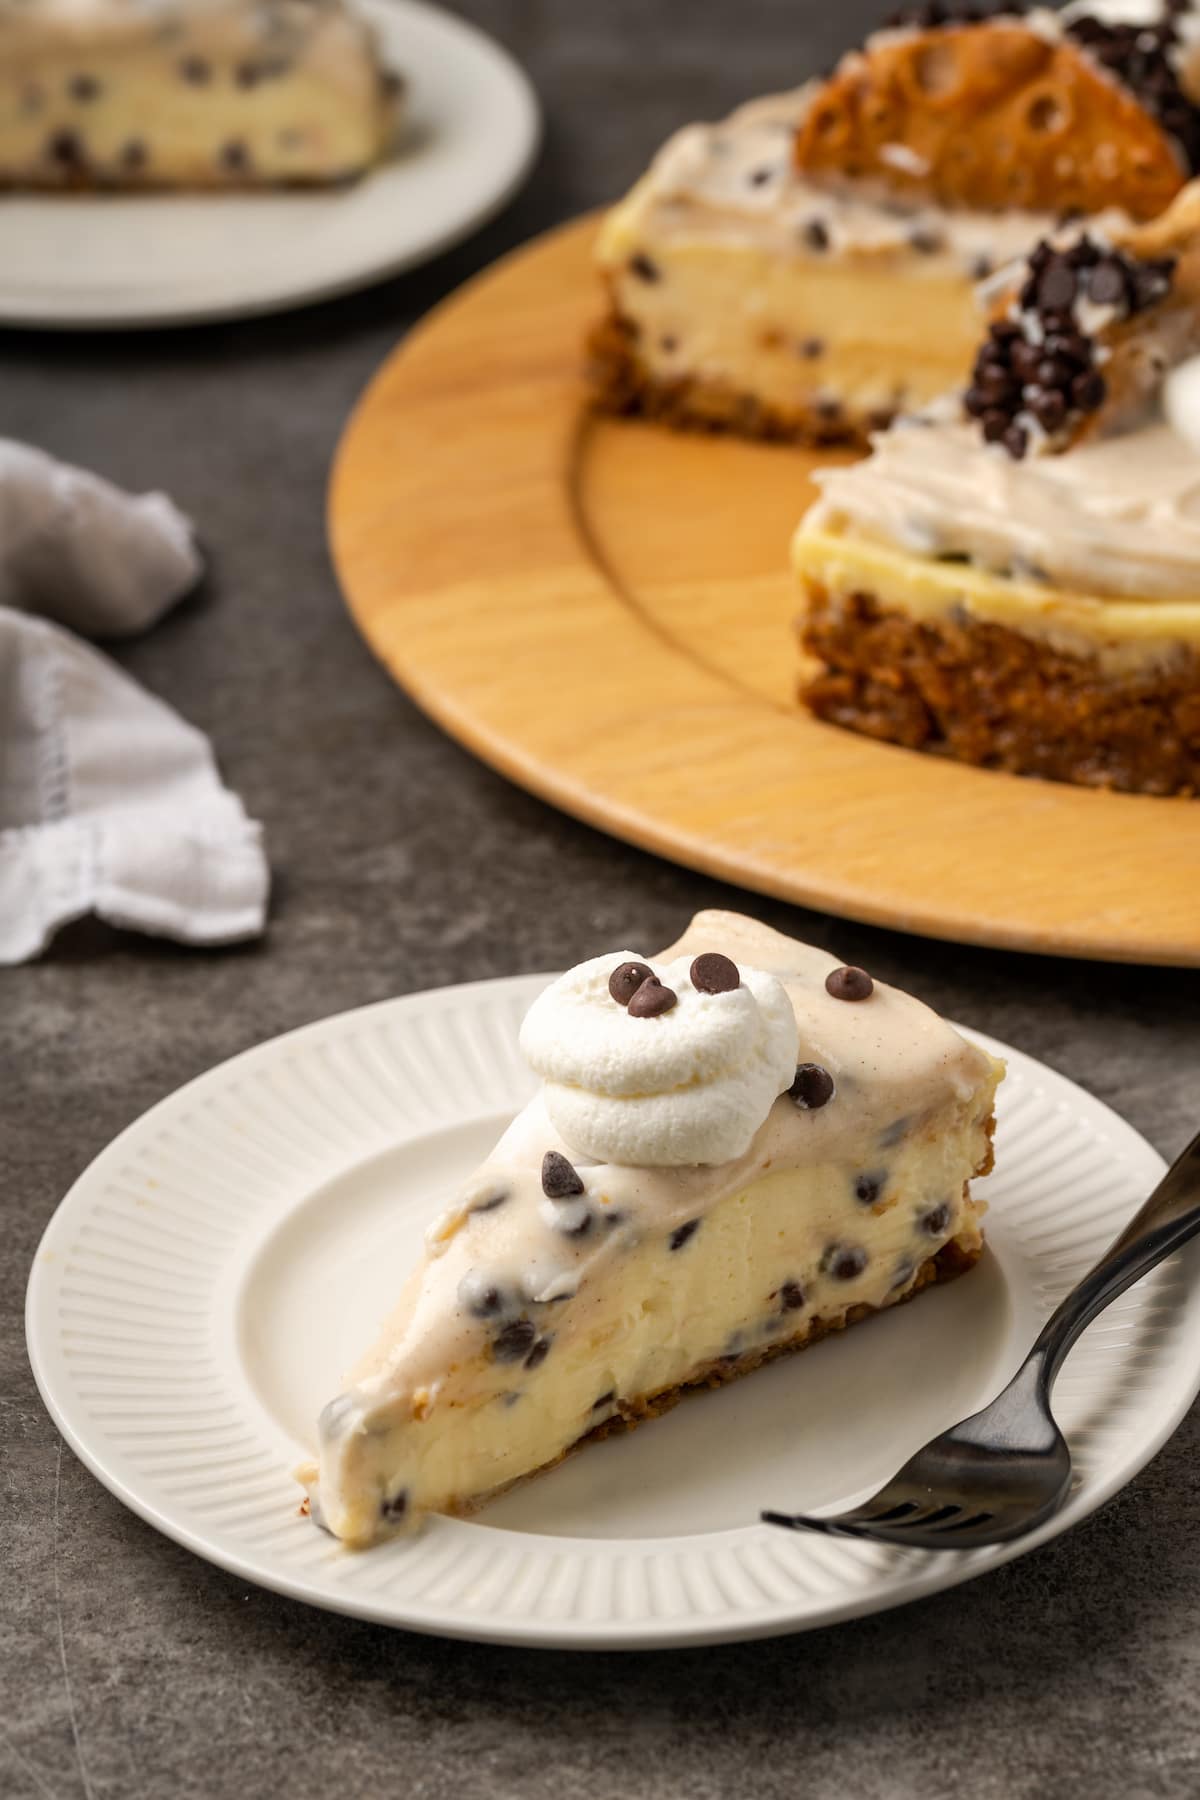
[736,182]
[1115,516]
[692,1085]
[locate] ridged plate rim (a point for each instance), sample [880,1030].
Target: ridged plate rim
[710,1588]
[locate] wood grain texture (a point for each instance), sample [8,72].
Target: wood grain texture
[602,610]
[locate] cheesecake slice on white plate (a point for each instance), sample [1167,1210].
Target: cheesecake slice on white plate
[739,1146]
[132,94]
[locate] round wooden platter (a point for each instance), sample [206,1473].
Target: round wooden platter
[602,610]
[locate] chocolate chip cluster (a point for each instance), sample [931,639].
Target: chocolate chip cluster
[1040,367]
[1140,58]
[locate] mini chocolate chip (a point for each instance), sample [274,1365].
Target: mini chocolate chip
[1005,331]
[66,149]
[667,343]
[903,1273]
[395,1506]
[713,973]
[234,156]
[981,268]
[844,1261]
[604,1399]
[560,1179]
[482,1297]
[682,1233]
[1050,410]
[133,154]
[924,241]
[868,1187]
[538,1353]
[936,1219]
[1025,360]
[515,1341]
[995,424]
[1107,285]
[195,71]
[760,177]
[791,1297]
[811,348]
[849,983]
[829,409]
[575,1218]
[1016,441]
[652,999]
[626,979]
[1057,288]
[812,1087]
[1088,391]
[816,234]
[644,267]
[83,87]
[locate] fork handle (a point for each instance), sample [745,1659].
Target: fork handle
[1167,1220]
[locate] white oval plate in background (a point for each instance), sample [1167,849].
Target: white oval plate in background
[202,1287]
[470,132]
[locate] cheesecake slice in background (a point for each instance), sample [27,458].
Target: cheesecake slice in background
[807,268]
[738,1147]
[133,94]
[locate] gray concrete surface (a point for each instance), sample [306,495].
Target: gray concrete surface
[128,1667]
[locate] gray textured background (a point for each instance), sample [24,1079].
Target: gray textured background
[129,1667]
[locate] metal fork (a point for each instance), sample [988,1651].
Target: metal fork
[1005,1470]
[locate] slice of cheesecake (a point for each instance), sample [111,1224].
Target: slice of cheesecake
[736,1150]
[807,268]
[1013,578]
[189,93]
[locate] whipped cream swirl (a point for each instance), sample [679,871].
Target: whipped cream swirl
[692,1085]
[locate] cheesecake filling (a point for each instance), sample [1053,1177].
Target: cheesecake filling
[562,1290]
[738,271]
[188,92]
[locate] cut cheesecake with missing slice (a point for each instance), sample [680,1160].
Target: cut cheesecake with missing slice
[736,1149]
[806,268]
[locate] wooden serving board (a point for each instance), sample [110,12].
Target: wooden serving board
[602,610]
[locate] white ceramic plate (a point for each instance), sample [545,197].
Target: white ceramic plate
[470,133]
[203,1285]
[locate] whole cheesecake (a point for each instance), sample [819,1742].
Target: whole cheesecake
[189,93]
[738,1147]
[807,268]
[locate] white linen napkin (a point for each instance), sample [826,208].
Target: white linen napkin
[79,550]
[109,802]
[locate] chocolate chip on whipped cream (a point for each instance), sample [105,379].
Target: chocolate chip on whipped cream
[626,979]
[652,999]
[692,1089]
[713,973]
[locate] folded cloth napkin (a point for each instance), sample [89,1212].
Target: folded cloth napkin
[109,802]
[81,551]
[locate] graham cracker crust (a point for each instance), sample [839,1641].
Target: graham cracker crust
[988,695]
[622,384]
[952,1260]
